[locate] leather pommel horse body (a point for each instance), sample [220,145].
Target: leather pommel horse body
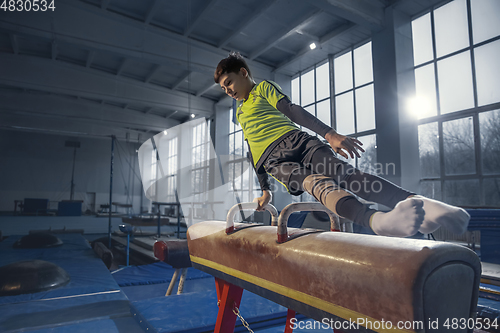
[343,276]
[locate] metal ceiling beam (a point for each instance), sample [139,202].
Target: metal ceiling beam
[124,37]
[224,101]
[308,35]
[197,20]
[384,2]
[203,51]
[105,4]
[280,47]
[54,50]
[204,90]
[69,79]
[179,82]
[298,24]
[284,49]
[152,10]
[339,31]
[170,115]
[55,126]
[263,6]
[14,43]
[90,58]
[155,70]
[122,66]
[362,12]
[74,110]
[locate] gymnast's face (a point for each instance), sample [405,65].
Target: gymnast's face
[236,85]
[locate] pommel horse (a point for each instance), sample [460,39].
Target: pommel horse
[362,283]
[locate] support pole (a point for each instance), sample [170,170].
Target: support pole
[128,247]
[72,191]
[172,282]
[158,233]
[178,220]
[229,297]
[289,316]
[111,189]
[182,279]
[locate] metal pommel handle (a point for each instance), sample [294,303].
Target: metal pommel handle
[248,206]
[302,206]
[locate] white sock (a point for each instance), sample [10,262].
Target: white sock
[403,221]
[428,227]
[437,214]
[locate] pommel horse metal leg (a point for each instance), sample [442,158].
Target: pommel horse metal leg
[182,279]
[172,282]
[228,299]
[289,316]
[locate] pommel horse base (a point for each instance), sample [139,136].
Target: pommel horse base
[373,281]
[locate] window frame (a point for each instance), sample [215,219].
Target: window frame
[473,112]
[356,133]
[251,190]
[203,167]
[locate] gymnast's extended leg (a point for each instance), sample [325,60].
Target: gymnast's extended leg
[373,188]
[404,220]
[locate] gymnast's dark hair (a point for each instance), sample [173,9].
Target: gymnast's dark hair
[232,64]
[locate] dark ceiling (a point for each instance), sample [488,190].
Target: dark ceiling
[130,67]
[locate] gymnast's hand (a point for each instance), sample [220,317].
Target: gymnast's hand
[341,142]
[263,200]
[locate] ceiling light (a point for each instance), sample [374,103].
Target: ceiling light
[193,115]
[312,46]
[165,132]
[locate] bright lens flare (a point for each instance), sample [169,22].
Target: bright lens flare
[420,107]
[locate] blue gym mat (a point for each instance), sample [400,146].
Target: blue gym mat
[58,311]
[116,325]
[88,273]
[300,326]
[91,295]
[197,312]
[489,308]
[158,272]
[93,301]
[488,222]
[150,281]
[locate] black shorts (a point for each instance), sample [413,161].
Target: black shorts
[291,161]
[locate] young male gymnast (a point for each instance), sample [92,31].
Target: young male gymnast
[302,162]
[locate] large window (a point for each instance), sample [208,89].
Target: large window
[457,80]
[354,101]
[172,170]
[240,170]
[311,90]
[164,170]
[200,164]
